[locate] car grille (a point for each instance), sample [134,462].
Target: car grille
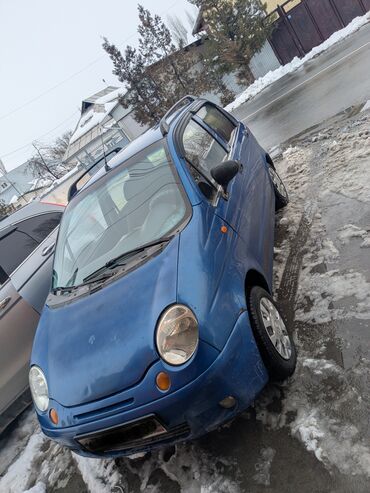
[131,436]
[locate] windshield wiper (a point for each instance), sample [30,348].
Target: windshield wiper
[117,261]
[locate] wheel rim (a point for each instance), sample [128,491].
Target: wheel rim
[278,183]
[275,328]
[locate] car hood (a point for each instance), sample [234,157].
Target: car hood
[103,343]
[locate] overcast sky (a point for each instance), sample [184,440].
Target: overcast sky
[51,58]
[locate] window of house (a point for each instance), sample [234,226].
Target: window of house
[217,121]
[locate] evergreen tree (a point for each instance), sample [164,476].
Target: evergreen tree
[157,74]
[236,30]
[143,94]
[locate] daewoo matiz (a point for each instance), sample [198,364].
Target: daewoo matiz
[160,324]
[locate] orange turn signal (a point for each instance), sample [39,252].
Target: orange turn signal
[54,418]
[223,229]
[163,381]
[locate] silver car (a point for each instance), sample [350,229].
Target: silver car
[27,240]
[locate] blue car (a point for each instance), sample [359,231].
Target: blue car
[160,324]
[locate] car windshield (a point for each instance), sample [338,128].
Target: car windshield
[129,207]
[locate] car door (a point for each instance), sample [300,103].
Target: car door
[32,278]
[18,321]
[26,250]
[249,208]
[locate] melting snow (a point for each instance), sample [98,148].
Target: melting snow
[296,63]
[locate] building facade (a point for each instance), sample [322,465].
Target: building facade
[15,183]
[104,124]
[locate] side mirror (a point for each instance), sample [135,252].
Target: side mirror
[225,172]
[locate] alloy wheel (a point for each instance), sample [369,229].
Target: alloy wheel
[275,328]
[278,183]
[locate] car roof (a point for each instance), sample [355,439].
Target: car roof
[32,209]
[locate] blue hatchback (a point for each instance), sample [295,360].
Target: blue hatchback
[160,324]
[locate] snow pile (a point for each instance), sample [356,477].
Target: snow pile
[323,290]
[263,466]
[296,63]
[101,476]
[314,404]
[350,231]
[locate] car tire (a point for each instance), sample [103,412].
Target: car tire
[275,344]
[281,194]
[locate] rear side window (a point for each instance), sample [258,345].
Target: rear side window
[217,121]
[39,227]
[24,238]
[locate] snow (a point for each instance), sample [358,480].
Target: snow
[39,183]
[351,231]
[366,106]
[263,466]
[315,401]
[323,406]
[13,200]
[296,63]
[101,476]
[39,487]
[94,116]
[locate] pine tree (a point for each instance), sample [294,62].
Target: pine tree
[236,30]
[143,94]
[157,74]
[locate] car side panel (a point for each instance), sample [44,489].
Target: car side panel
[18,324]
[250,209]
[210,275]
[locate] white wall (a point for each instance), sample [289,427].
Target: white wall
[264,61]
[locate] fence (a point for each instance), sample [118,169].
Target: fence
[309,23]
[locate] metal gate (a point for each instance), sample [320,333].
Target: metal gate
[301,28]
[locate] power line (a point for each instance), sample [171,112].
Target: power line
[72,76]
[29,144]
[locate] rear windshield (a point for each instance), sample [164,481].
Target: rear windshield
[129,207]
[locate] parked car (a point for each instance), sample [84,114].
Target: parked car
[27,240]
[160,324]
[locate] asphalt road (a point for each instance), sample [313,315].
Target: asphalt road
[324,86]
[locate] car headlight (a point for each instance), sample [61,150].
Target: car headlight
[177,335]
[39,388]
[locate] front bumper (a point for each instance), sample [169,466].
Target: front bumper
[191,411]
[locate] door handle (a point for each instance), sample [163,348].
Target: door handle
[4,303]
[48,249]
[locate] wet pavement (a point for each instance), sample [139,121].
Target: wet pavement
[321,88]
[310,434]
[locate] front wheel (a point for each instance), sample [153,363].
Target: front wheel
[281,194]
[274,342]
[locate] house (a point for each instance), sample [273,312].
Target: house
[15,183]
[103,121]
